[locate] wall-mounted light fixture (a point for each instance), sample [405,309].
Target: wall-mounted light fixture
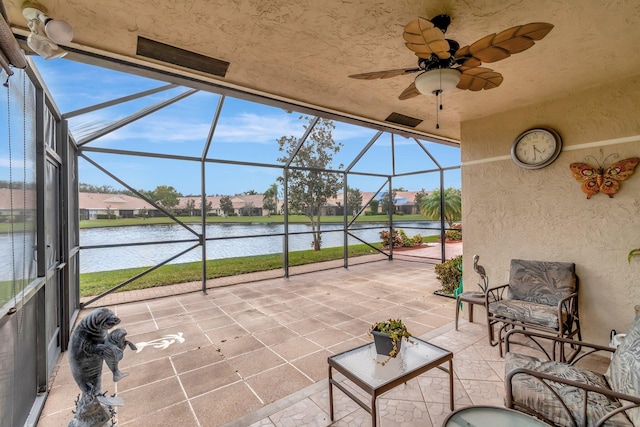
[46,32]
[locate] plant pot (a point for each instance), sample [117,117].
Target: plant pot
[384,343]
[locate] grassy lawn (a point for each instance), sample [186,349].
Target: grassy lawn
[98,282]
[274,219]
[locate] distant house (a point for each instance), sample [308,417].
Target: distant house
[404,202]
[13,207]
[97,205]
[243,205]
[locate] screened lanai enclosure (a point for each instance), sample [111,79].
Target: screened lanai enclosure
[89,119]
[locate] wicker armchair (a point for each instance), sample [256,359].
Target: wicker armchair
[540,295]
[564,394]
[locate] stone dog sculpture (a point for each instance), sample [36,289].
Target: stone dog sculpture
[89,346]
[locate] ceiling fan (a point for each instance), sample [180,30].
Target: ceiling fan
[443,64]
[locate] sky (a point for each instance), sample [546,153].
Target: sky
[246,131]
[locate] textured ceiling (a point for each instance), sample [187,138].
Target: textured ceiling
[305,50]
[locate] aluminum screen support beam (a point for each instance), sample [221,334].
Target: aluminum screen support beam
[203,188]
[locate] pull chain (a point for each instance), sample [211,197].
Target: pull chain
[438,94]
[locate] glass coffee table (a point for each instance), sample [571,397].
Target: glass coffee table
[490,416]
[363,367]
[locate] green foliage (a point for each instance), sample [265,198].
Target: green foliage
[374,206]
[208,207]
[102,189]
[270,199]
[226,205]
[309,186]
[354,201]
[419,196]
[106,216]
[430,205]
[387,200]
[449,274]
[166,196]
[455,235]
[190,207]
[400,239]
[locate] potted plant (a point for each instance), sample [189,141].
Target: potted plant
[388,335]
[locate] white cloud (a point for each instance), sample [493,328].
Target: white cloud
[261,129]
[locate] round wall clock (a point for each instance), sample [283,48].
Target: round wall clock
[536,148]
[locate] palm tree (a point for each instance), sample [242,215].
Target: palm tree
[430,205]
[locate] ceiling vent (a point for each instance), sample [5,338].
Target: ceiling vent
[403,120]
[183,58]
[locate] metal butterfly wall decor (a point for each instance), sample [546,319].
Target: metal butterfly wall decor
[603,179]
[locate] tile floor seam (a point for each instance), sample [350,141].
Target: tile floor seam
[184,392]
[255,393]
[152,316]
[196,396]
[137,419]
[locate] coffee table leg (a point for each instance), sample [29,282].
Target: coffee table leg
[450,383]
[330,394]
[374,417]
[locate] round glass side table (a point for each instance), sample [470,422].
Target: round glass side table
[490,416]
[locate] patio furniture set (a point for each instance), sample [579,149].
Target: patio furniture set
[539,308]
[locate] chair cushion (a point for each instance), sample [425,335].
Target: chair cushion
[529,392]
[541,282]
[624,371]
[527,312]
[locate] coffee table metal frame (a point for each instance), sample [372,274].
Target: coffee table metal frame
[390,383]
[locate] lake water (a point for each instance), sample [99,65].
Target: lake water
[103,259]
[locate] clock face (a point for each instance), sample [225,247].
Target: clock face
[536,148]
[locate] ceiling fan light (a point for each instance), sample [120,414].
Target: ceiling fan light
[436,81]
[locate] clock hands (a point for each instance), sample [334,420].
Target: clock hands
[535,150]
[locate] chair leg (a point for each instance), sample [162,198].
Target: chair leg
[490,326]
[470,305]
[457,310]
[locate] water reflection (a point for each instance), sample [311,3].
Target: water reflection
[222,246]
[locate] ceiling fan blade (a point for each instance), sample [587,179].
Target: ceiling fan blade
[410,92]
[423,38]
[386,74]
[478,78]
[495,47]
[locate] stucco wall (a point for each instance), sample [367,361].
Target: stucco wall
[509,212]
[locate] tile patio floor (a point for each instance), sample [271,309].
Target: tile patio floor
[255,354]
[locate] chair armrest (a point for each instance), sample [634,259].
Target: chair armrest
[495,294]
[590,348]
[568,302]
[567,298]
[570,305]
[544,378]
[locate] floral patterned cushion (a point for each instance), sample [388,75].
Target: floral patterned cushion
[624,371]
[541,282]
[528,312]
[529,392]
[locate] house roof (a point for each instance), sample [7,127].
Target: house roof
[19,200]
[98,201]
